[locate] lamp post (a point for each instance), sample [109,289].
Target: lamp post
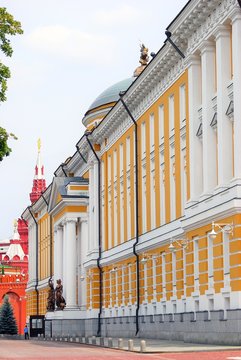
[178,243]
[224,227]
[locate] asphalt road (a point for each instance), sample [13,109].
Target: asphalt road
[29,349]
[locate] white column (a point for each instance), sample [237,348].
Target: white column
[163,276]
[196,264]
[91,208]
[236,44]
[209,135]
[226,260]
[174,274]
[96,206]
[83,254]
[224,125]
[145,281]
[58,253]
[64,257]
[71,257]
[154,265]
[195,152]
[184,272]
[210,262]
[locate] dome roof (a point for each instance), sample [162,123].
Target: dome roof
[111,94]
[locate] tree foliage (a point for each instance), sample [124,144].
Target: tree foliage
[8,27]
[4,148]
[8,324]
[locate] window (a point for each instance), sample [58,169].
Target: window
[171,113]
[152,132]
[182,94]
[161,124]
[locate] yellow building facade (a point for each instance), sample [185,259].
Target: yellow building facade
[142,223]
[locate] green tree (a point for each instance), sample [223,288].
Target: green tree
[8,26]
[8,324]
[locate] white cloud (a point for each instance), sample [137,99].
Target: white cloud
[72,43]
[122,15]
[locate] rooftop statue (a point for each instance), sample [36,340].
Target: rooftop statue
[144,59]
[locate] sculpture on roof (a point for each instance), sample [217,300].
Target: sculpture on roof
[60,301]
[144,59]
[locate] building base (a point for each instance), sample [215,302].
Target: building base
[214,327]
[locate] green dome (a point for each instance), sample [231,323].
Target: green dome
[111,94]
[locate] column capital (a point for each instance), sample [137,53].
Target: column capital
[63,222]
[58,227]
[84,220]
[193,60]
[222,31]
[207,46]
[70,220]
[235,15]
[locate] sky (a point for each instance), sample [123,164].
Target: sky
[70,52]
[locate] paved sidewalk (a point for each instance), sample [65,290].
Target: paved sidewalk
[151,345]
[166,346]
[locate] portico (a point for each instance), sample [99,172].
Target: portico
[68,207]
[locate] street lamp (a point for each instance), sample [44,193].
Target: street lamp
[225,228]
[175,243]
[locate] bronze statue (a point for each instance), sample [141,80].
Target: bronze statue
[144,58]
[51,296]
[60,301]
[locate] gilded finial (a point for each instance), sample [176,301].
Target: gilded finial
[15,224]
[15,230]
[39,145]
[144,58]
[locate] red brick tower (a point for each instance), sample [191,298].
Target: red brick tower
[39,183]
[14,255]
[14,272]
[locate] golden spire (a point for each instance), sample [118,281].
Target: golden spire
[15,224]
[39,144]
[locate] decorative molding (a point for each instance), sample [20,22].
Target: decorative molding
[69,220]
[221,11]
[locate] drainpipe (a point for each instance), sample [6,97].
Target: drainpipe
[36,286]
[24,221]
[137,215]
[62,166]
[51,240]
[168,35]
[99,235]
[82,157]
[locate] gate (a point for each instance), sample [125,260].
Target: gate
[37,325]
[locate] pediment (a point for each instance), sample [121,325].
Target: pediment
[67,188]
[55,196]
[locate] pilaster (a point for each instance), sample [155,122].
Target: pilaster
[96,205]
[209,135]
[83,253]
[91,208]
[195,154]
[58,252]
[236,55]
[71,260]
[224,125]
